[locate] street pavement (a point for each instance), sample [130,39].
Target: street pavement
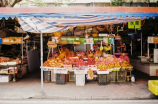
[29,87]
[79,102]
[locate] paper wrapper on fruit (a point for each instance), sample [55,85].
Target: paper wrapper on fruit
[90,74]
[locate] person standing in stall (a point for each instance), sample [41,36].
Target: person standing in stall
[124,57]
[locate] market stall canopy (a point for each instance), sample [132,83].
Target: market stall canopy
[58,21]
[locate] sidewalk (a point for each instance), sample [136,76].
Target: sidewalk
[29,87]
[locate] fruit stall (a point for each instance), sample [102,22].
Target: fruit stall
[95,63]
[11,68]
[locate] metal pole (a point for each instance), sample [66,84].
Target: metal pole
[148,49]
[34,45]
[141,44]
[41,61]
[155,45]
[22,50]
[131,47]
[113,49]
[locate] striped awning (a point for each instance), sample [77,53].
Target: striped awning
[49,22]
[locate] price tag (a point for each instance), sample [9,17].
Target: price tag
[93,67]
[80,71]
[61,71]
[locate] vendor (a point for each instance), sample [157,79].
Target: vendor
[125,57]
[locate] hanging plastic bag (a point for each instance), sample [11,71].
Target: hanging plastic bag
[90,74]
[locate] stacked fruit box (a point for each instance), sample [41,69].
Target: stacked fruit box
[121,76]
[102,79]
[46,76]
[60,79]
[111,77]
[72,77]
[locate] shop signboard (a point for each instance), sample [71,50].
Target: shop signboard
[12,40]
[110,40]
[63,38]
[100,39]
[134,24]
[95,39]
[76,39]
[70,40]
[82,40]
[105,40]
[0,40]
[152,39]
[155,55]
[89,41]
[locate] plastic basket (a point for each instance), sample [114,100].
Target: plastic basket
[72,77]
[153,86]
[80,79]
[111,77]
[121,76]
[60,79]
[53,76]
[46,76]
[102,79]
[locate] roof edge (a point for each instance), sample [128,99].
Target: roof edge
[79,9]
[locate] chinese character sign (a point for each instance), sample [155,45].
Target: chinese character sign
[134,24]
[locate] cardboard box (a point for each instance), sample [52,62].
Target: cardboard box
[5,78]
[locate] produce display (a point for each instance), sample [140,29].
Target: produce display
[81,59]
[4,60]
[53,62]
[126,65]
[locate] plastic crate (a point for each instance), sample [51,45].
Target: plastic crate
[53,76]
[102,79]
[46,76]
[80,79]
[60,79]
[121,76]
[153,86]
[72,77]
[111,77]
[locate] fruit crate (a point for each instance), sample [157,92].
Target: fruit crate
[153,86]
[60,79]
[46,76]
[80,79]
[102,79]
[111,77]
[121,76]
[53,76]
[72,77]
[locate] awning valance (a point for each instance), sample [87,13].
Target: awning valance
[48,22]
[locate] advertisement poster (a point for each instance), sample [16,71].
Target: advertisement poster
[12,40]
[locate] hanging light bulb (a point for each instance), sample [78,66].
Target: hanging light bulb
[117,37]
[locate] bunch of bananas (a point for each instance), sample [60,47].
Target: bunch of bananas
[107,48]
[101,48]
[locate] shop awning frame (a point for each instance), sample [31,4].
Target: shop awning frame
[6,12]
